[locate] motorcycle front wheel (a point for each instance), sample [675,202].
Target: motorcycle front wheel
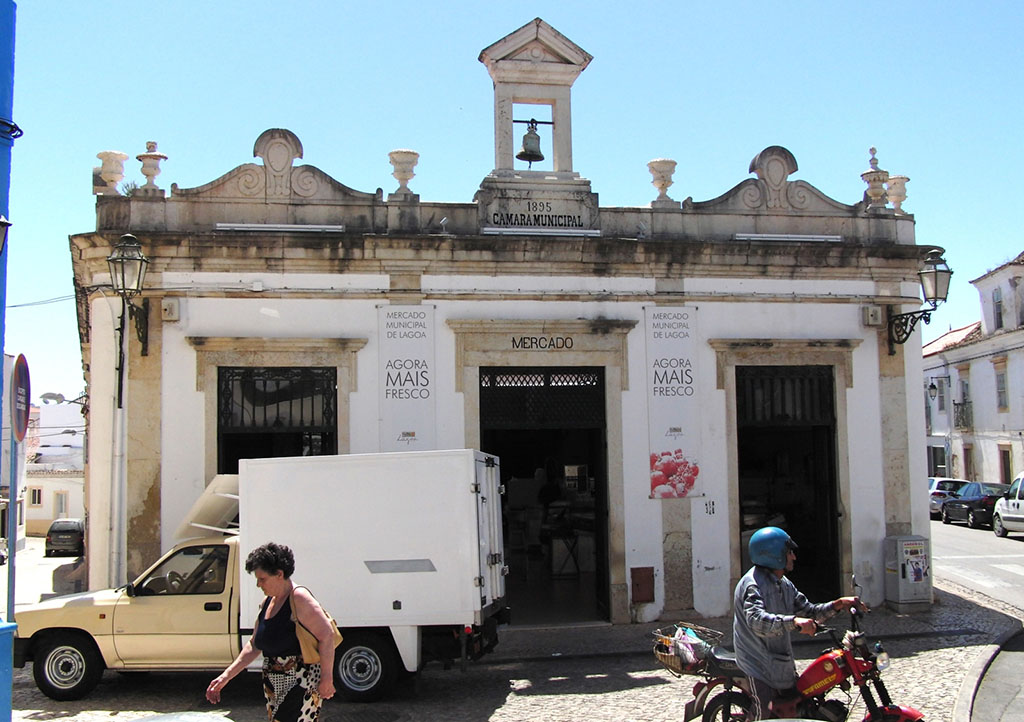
[727,707]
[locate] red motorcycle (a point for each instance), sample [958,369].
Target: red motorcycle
[849,662]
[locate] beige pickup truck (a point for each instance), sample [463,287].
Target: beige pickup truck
[181,614]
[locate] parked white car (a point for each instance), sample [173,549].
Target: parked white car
[1008,514]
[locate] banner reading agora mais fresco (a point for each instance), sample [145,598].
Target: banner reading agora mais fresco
[673,412]
[407,405]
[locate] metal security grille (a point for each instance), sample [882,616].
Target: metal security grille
[285,400]
[784,395]
[542,398]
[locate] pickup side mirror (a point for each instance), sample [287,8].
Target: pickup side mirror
[130,589]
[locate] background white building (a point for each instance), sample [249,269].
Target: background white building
[54,483]
[976,419]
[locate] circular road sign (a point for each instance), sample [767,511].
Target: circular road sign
[20,396]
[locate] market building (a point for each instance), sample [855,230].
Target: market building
[658,381]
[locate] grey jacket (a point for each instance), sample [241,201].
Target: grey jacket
[764,608]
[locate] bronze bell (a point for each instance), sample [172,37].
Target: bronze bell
[530,151]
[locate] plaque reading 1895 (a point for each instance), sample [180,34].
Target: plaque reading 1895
[548,212]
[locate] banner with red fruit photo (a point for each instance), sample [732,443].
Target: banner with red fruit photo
[673,414]
[406,355]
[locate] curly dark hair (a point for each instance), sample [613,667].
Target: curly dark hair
[271,558]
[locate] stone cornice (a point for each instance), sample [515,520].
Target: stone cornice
[516,255]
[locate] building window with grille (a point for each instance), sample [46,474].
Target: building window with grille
[997,308]
[35,496]
[268,412]
[968,462]
[940,399]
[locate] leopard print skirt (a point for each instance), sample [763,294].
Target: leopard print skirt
[290,687]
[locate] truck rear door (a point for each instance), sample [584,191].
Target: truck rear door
[492,565]
[179,615]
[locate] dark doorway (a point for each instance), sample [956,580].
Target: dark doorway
[547,426]
[787,467]
[274,412]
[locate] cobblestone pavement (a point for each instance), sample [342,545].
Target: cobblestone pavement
[597,673]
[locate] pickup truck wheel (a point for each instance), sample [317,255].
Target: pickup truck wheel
[365,666]
[66,666]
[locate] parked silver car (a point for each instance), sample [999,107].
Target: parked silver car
[940,488]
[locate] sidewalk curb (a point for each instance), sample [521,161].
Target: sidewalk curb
[964,705]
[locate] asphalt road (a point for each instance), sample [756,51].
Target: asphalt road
[979,560]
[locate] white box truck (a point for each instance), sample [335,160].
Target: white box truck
[403,549]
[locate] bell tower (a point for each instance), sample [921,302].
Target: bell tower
[535,65]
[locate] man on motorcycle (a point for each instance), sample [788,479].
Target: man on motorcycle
[766,608]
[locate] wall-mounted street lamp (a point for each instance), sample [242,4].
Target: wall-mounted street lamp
[5,225]
[934,279]
[128,266]
[59,399]
[933,390]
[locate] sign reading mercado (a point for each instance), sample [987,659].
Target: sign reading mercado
[673,419]
[407,404]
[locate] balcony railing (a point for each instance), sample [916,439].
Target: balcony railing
[962,416]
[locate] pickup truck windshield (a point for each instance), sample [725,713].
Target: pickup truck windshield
[192,570]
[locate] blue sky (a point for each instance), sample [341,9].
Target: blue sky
[936,87]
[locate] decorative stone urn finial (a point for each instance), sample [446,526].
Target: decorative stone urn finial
[896,191]
[150,165]
[403,162]
[111,172]
[875,177]
[662,170]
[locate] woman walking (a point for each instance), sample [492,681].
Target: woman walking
[294,689]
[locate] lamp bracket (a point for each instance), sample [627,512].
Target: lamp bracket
[140,316]
[902,325]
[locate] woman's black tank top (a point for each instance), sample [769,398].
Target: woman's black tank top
[275,637]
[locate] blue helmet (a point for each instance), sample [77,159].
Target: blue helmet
[768,547]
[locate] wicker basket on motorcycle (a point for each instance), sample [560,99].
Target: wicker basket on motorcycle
[683,647]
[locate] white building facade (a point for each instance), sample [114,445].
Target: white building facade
[54,483]
[976,419]
[683,372]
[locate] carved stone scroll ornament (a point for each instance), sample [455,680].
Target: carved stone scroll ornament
[278,148]
[773,166]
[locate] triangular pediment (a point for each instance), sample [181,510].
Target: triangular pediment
[534,43]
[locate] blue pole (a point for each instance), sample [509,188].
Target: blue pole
[8,132]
